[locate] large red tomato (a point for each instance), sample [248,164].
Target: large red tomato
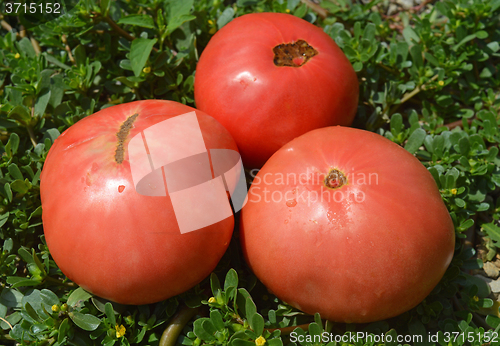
[270,77]
[103,234]
[346,223]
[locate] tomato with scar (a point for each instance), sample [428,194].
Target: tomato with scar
[270,77]
[105,234]
[346,223]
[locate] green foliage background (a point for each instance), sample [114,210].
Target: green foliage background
[429,81]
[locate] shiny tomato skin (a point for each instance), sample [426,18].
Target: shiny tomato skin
[373,252]
[106,237]
[264,106]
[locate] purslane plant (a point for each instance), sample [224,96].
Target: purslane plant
[429,81]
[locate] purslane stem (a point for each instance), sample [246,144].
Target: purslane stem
[59,282]
[177,323]
[32,136]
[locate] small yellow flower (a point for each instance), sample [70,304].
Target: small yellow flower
[454,191]
[120,331]
[287,10]
[260,341]
[441,83]
[381,25]
[211,22]
[146,69]
[55,308]
[211,300]
[212,30]
[17,56]
[476,298]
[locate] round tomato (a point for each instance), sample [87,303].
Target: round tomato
[107,237]
[346,223]
[270,77]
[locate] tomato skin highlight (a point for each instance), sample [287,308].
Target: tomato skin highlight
[264,106]
[373,254]
[106,237]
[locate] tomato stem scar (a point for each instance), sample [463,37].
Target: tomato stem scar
[294,54]
[122,136]
[335,179]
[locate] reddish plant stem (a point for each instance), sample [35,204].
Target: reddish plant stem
[5,25]
[458,123]
[68,49]
[116,28]
[120,31]
[177,323]
[316,8]
[36,45]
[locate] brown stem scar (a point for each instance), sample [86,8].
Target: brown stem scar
[293,54]
[122,135]
[335,179]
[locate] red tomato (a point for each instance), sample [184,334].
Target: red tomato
[105,236]
[346,223]
[265,104]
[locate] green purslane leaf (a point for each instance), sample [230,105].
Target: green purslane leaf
[214,283]
[63,330]
[231,279]
[410,36]
[105,5]
[11,298]
[396,124]
[250,308]
[275,342]
[257,323]
[42,101]
[15,172]
[415,140]
[226,16]
[12,145]
[179,13]
[140,49]
[315,329]
[464,41]
[464,146]
[26,48]
[199,329]
[21,114]
[246,3]
[241,342]
[492,230]
[49,297]
[3,220]
[416,54]
[87,322]
[25,255]
[142,20]
[16,281]
[78,296]
[110,313]
[19,186]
